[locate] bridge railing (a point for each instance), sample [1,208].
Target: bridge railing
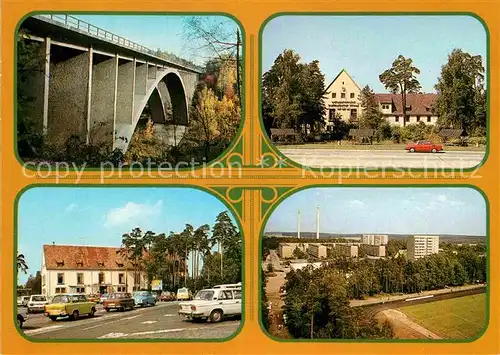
[76,23]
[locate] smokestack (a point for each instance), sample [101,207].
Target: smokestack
[317,222]
[298,225]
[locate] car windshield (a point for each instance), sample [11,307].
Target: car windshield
[117,295]
[182,290]
[60,299]
[206,295]
[38,298]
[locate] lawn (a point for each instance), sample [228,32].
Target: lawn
[375,146]
[457,318]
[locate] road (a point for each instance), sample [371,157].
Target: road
[336,158]
[158,322]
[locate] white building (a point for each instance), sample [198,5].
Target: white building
[374,239]
[317,250]
[373,250]
[87,269]
[419,246]
[342,98]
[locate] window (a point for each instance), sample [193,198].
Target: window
[334,95]
[331,114]
[237,294]
[354,113]
[121,278]
[60,279]
[352,95]
[100,263]
[225,295]
[407,119]
[428,118]
[342,95]
[60,290]
[101,277]
[60,263]
[121,289]
[79,263]
[80,290]
[396,119]
[418,118]
[79,278]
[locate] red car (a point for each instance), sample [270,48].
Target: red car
[424,147]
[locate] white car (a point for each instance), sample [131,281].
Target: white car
[213,303]
[37,303]
[25,300]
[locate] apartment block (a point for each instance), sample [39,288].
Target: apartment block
[347,250]
[419,246]
[317,250]
[373,250]
[374,239]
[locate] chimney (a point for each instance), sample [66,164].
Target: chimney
[317,222]
[298,225]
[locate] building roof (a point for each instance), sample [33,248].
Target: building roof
[420,104]
[350,77]
[71,257]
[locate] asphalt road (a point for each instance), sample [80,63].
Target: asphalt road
[336,158]
[158,322]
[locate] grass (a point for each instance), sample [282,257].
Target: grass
[457,318]
[375,146]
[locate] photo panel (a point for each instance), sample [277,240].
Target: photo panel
[387,264]
[349,91]
[127,263]
[98,90]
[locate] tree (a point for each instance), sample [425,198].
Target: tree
[134,250]
[204,119]
[35,283]
[292,94]
[224,233]
[462,99]
[216,36]
[372,117]
[401,78]
[21,263]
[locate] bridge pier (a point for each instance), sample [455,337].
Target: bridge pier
[89,87]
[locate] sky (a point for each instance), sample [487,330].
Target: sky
[152,31]
[460,211]
[100,216]
[367,45]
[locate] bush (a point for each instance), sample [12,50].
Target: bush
[477,141]
[384,132]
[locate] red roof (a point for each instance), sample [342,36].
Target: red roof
[61,257]
[421,104]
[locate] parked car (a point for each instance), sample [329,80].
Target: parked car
[183,294]
[144,298]
[25,300]
[119,301]
[424,147]
[19,301]
[21,319]
[103,297]
[37,303]
[214,304]
[69,305]
[94,298]
[167,296]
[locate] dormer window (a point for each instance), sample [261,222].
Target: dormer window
[119,264]
[60,263]
[79,263]
[100,263]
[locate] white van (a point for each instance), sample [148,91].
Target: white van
[213,303]
[37,303]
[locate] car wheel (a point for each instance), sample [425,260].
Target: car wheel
[434,150]
[53,318]
[216,316]
[107,309]
[19,323]
[92,312]
[412,150]
[74,315]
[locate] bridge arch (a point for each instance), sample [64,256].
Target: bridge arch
[167,99]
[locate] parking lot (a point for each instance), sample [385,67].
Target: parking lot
[155,322]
